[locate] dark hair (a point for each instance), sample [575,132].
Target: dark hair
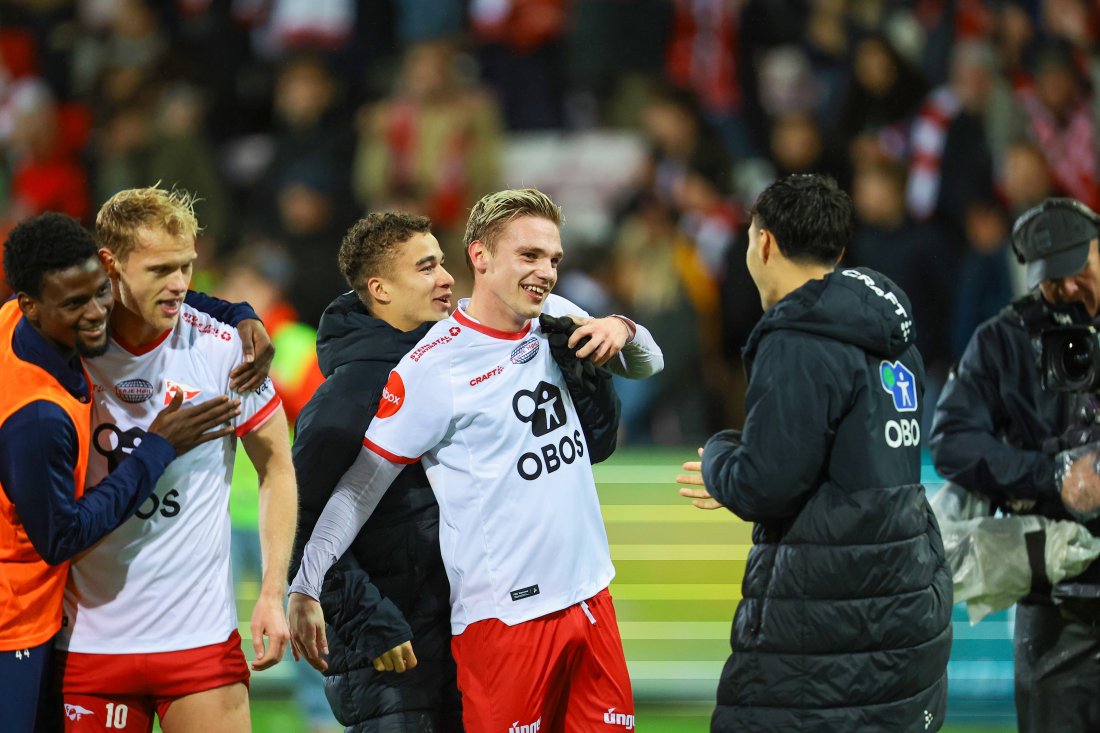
[369,245]
[43,244]
[811,218]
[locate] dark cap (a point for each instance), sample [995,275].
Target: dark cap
[1053,239]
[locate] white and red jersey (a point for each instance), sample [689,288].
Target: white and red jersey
[520,525]
[161,581]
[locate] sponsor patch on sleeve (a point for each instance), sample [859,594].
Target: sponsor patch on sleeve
[393,396]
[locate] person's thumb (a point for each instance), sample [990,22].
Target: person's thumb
[176,401]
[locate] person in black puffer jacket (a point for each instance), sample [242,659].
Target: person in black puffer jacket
[387,600]
[845,622]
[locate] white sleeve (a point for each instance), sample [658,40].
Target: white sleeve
[414,413]
[352,502]
[640,358]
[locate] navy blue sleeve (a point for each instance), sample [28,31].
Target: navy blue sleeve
[38,454]
[224,311]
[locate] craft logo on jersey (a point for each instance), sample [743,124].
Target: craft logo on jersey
[116,444]
[134,391]
[525,352]
[899,383]
[543,408]
[75,712]
[170,389]
[393,396]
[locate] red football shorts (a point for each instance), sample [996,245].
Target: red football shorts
[561,672]
[108,692]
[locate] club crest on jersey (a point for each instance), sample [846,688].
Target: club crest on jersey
[525,352]
[393,396]
[454,330]
[134,391]
[544,408]
[899,383]
[75,712]
[170,389]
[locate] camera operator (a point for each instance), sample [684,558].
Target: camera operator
[998,430]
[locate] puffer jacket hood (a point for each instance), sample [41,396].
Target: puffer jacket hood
[349,333]
[853,305]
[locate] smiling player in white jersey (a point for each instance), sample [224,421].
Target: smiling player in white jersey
[483,404]
[150,620]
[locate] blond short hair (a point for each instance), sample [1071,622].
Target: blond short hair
[132,209]
[495,210]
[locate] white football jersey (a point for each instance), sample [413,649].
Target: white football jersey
[161,581]
[520,525]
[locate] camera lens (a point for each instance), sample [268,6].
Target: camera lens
[1075,358]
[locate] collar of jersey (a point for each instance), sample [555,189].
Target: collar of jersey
[139,350]
[465,320]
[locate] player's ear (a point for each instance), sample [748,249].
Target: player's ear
[110,263]
[29,306]
[379,290]
[479,255]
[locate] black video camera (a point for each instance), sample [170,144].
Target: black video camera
[1070,359]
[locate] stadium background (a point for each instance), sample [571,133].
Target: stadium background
[654,123]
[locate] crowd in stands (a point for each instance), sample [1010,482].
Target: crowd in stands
[290,119]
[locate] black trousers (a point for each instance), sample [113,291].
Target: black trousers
[1057,672]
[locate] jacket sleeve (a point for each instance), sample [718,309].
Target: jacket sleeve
[231,313]
[329,439]
[966,445]
[38,453]
[793,403]
[363,618]
[590,387]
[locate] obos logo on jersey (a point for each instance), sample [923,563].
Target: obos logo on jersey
[134,391]
[899,383]
[393,395]
[544,408]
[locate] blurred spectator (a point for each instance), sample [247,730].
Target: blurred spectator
[884,91]
[310,129]
[984,285]
[702,56]
[309,223]
[951,161]
[141,146]
[116,60]
[913,254]
[797,146]
[432,148]
[1059,120]
[521,53]
[43,149]
[1025,179]
[260,272]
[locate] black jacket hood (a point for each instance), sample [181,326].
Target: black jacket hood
[348,333]
[853,305]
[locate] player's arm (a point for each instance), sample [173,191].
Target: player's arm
[965,442]
[352,502]
[268,447]
[625,347]
[756,474]
[38,455]
[258,349]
